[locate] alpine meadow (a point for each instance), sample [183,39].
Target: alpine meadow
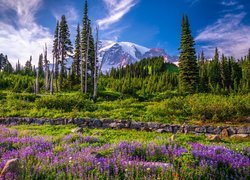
[93,101]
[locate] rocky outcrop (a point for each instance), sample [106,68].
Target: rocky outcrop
[11,166]
[222,131]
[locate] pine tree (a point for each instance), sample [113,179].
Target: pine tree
[18,66]
[188,63]
[76,65]
[84,48]
[40,66]
[91,57]
[215,71]
[28,67]
[225,76]
[65,47]
[202,60]
[56,54]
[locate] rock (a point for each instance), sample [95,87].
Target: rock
[200,130]
[175,128]
[184,128]
[11,166]
[173,137]
[79,121]
[213,130]
[239,136]
[231,131]
[243,130]
[77,130]
[135,125]
[115,125]
[152,125]
[168,128]
[97,123]
[214,138]
[39,121]
[224,134]
[161,131]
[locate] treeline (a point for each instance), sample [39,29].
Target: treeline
[5,65]
[83,73]
[219,75]
[144,77]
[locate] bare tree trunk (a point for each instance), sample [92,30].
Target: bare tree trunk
[82,79]
[56,74]
[62,69]
[52,77]
[37,81]
[86,63]
[46,70]
[95,68]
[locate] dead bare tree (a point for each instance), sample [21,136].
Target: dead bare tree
[96,59]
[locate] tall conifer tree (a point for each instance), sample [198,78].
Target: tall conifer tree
[56,54]
[65,47]
[188,63]
[76,65]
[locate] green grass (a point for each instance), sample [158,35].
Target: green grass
[164,108]
[112,136]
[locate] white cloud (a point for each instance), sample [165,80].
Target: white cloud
[229,34]
[229,3]
[22,36]
[69,11]
[116,10]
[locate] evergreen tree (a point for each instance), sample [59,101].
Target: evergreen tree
[84,48]
[225,76]
[246,73]
[56,54]
[91,57]
[65,47]
[215,72]
[28,67]
[76,65]
[187,62]
[202,60]
[40,66]
[18,67]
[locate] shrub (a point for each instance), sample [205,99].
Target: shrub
[23,96]
[65,103]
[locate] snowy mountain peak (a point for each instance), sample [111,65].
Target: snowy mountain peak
[119,54]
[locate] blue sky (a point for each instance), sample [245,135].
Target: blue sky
[26,25]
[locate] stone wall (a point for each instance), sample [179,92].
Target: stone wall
[241,131]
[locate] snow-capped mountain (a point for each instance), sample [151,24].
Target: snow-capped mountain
[118,54]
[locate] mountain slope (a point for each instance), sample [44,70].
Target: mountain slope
[118,54]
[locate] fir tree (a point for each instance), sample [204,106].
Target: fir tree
[40,66]
[56,55]
[28,67]
[91,57]
[18,66]
[76,65]
[215,71]
[187,62]
[65,47]
[225,76]
[84,47]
